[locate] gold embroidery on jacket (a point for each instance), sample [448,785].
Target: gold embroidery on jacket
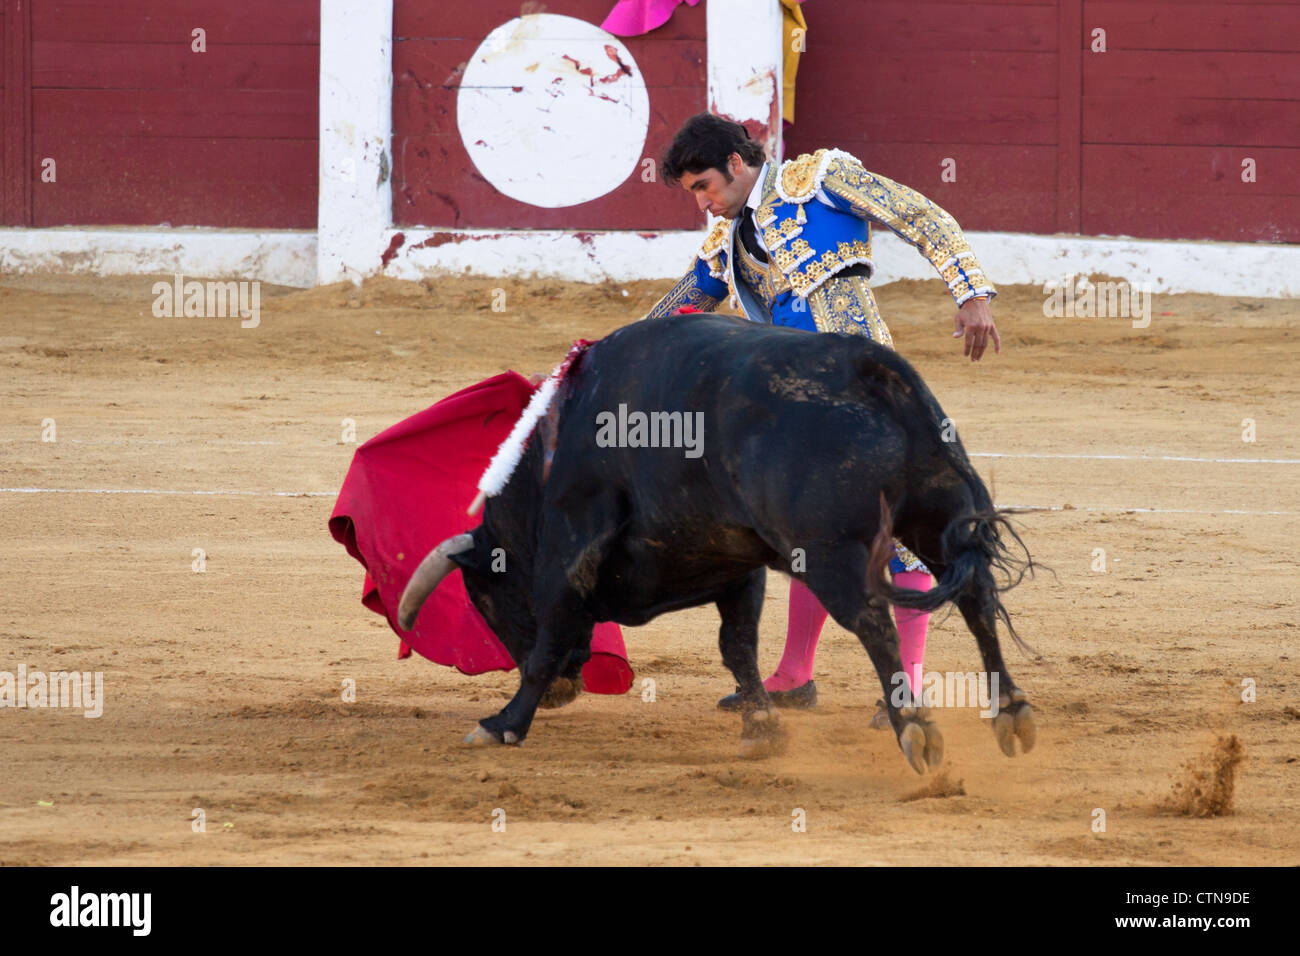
[715,243]
[847,304]
[916,219]
[686,292]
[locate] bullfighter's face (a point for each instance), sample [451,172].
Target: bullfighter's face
[722,194]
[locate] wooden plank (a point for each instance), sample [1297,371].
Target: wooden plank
[939,27]
[424,63]
[177,203]
[420,18]
[1009,188]
[3,62]
[1230,3]
[888,75]
[435,183]
[434,180]
[1014,103]
[16,186]
[972,119]
[1191,192]
[1051,4]
[1152,25]
[86,160]
[148,21]
[1182,172]
[433,110]
[234,114]
[1254,219]
[1070,128]
[1187,121]
[59,64]
[1172,75]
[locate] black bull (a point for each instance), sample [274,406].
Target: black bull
[817,451]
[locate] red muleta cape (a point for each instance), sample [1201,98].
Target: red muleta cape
[407,490]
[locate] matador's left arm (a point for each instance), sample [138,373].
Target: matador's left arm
[696,288]
[703,285]
[849,187]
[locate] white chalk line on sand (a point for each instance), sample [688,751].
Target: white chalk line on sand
[972,454]
[1153,511]
[334,494]
[1217,461]
[167,491]
[142,441]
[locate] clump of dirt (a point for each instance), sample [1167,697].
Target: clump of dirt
[1207,788]
[742,780]
[936,788]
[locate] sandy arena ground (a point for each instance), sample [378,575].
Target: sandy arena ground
[223,688]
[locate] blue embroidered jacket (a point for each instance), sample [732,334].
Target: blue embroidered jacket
[814,215]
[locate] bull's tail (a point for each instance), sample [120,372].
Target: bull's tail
[978,561]
[982,553]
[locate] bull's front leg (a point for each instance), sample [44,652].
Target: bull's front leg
[563,646]
[761,733]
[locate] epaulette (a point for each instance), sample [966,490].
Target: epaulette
[800,178]
[714,243]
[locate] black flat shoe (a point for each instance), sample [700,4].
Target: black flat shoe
[800,698]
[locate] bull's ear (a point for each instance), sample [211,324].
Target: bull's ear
[479,557]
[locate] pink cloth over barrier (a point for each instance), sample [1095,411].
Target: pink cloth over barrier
[631,18]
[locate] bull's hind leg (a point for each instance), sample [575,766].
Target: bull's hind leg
[1014,718]
[761,733]
[838,576]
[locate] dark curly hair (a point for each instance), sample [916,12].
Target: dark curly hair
[704,142]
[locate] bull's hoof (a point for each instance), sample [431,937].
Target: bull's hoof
[763,735]
[920,740]
[482,737]
[1015,720]
[563,690]
[880,720]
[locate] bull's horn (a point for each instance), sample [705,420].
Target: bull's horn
[436,565]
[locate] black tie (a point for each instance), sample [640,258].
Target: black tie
[748,235]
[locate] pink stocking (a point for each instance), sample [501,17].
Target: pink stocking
[806,619]
[912,626]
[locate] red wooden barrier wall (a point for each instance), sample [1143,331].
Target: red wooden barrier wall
[1146,139]
[434,179]
[145,131]
[906,84]
[1185,92]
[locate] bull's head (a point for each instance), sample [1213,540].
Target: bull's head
[498,587]
[496,558]
[436,565]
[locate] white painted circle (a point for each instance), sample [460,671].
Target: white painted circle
[553,110]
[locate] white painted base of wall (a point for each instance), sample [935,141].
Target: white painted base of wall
[1256,269]
[1260,270]
[282,257]
[551,254]
[1219,268]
